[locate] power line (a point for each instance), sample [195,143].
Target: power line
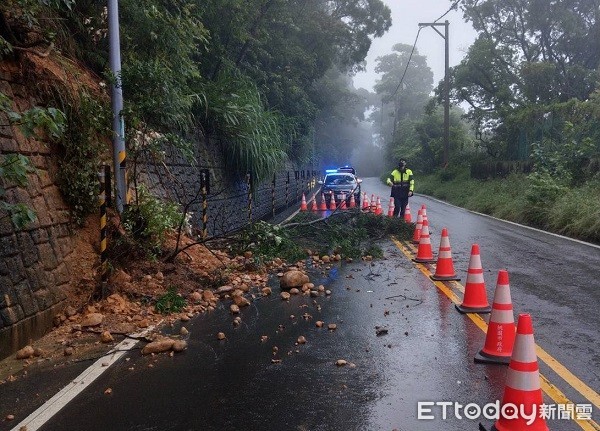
[415,44]
[407,63]
[448,11]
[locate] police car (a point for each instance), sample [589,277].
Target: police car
[340,183]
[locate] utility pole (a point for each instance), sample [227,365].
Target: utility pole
[445,36]
[118,138]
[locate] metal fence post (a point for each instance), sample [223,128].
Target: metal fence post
[204,191]
[249,184]
[273,196]
[287,186]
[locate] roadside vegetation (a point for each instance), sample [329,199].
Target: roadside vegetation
[351,234]
[533,200]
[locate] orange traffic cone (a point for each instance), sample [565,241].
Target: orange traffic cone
[373,206]
[418,227]
[352,201]
[332,206]
[391,208]
[343,202]
[323,206]
[314,205]
[378,209]
[303,206]
[522,389]
[500,335]
[475,298]
[365,203]
[424,212]
[424,252]
[407,216]
[444,269]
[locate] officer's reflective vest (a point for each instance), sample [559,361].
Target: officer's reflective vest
[403,179]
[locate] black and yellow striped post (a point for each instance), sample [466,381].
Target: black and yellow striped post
[204,192]
[103,239]
[249,184]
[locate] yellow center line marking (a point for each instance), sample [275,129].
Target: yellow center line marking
[551,390]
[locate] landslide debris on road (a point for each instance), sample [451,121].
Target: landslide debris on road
[148,293]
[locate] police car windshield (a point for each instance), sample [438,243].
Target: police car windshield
[339,179]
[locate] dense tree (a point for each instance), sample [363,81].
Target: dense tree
[528,53]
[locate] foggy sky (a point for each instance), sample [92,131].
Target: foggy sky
[406,14]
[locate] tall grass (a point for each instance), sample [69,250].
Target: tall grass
[537,201]
[257,139]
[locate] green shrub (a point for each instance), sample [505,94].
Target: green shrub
[544,189]
[170,302]
[149,219]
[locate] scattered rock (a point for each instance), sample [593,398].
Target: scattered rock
[237,321]
[183,331]
[294,291]
[285,296]
[240,301]
[70,311]
[107,391]
[319,324]
[179,345]
[120,277]
[301,339]
[106,337]
[224,289]
[341,362]
[25,353]
[92,319]
[293,278]
[379,330]
[10,417]
[264,338]
[328,292]
[234,309]
[221,336]
[266,291]
[195,297]
[144,323]
[326,259]
[158,346]
[332,326]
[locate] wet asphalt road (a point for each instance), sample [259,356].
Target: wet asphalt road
[427,354]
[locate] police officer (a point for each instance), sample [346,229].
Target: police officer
[403,184]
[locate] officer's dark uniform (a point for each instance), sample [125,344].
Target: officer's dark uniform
[403,184]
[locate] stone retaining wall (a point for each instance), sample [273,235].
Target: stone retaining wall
[33,271]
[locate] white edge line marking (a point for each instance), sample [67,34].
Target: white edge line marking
[514,223]
[39,417]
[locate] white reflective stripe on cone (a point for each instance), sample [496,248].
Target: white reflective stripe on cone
[475,262]
[502,294]
[445,254]
[475,277]
[502,316]
[523,380]
[524,349]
